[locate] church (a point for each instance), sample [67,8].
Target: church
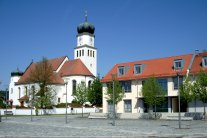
[69,73]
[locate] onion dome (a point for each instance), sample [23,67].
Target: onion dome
[17,72]
[86,27]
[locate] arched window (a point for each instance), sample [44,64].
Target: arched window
[77,54]
[33,91]
[74,86]
[82,52]
[89,83]
[88,53]
[25,90]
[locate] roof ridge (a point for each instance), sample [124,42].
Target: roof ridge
[151,59]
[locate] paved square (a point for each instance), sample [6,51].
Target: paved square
[55,126]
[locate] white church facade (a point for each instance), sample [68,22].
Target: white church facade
[69,73]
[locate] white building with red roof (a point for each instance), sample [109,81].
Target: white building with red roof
[71,72]
[132,75]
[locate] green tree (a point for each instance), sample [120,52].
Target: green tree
[81,94]
[118,94]
[186,93]
[2,104]
[42,74]
[200,89]
[95,92]
[153,93]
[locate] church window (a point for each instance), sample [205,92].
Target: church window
[88,52]
[77,53]
[33,91]
[89,83]
[25,90]
[82,52]
[58,100]
[74,86]
[93,53]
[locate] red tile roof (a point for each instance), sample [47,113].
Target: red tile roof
[69,68]
[74,67]
[55,64]
[160,67]
[197,64]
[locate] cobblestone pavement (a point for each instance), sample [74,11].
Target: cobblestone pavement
[55,126]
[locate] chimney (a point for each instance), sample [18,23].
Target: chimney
[196,52]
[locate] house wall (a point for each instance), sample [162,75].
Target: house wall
[59,89]
[137,98]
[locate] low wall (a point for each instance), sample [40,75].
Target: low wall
[50,111]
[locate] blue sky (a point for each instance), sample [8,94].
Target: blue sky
[126,30]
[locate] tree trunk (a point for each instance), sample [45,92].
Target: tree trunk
[204,105]
[155,111]
[82,111]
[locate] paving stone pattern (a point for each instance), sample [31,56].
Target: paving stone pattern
[55,126]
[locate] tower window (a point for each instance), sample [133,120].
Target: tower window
[82,52]
[88,52]
[77,54]
[93,53]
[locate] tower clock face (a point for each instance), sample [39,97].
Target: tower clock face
[91,41]
[80,39]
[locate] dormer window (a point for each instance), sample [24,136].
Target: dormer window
[178,63]
[122,70]
[204,62]
[138,69]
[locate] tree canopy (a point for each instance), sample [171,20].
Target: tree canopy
[152,92]
[118,94]
[95,92]
[42,74]
[186,93]
[200,88]
[81,93]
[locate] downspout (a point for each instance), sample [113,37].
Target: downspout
[189,68]
[191,62]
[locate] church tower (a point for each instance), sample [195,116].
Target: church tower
[85,50]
